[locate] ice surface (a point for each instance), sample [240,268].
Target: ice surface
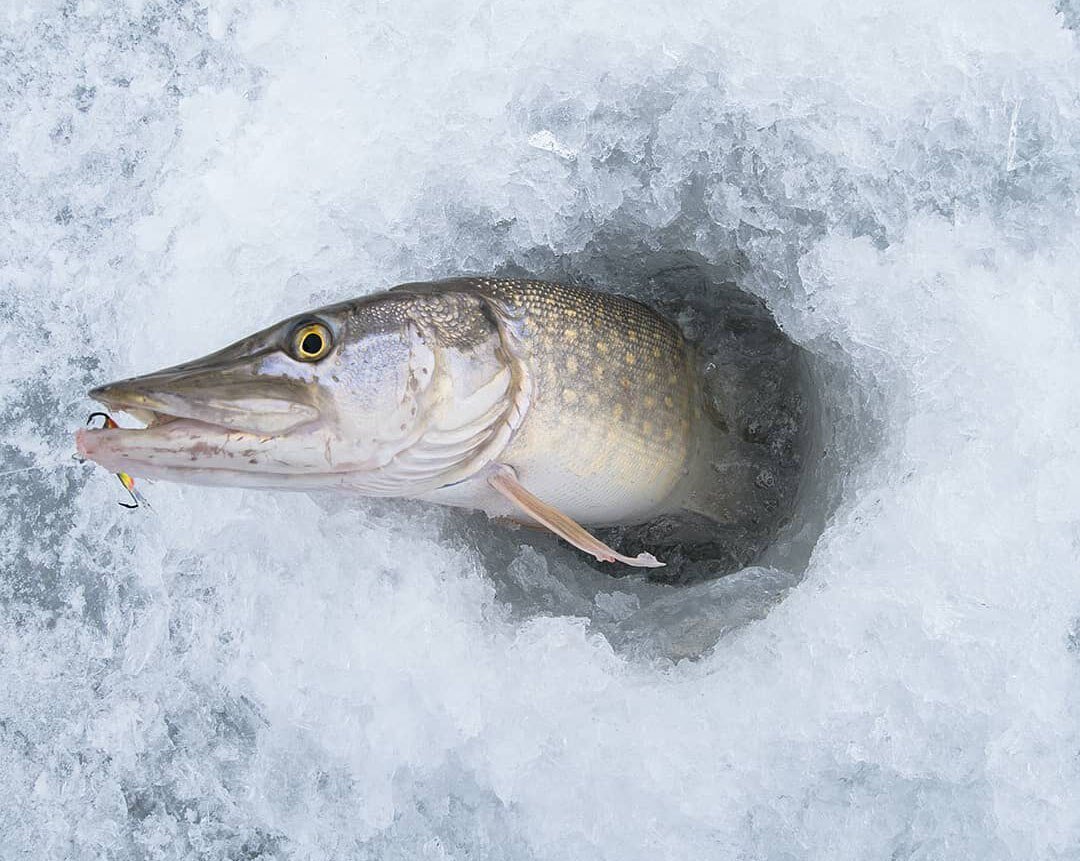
[245,675]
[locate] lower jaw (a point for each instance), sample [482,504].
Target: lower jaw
[148,454]
[238,478]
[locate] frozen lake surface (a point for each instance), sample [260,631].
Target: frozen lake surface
[245,675]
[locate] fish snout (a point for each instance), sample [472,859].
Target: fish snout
[83,444]
[105,394]
[101,445]
[251,404]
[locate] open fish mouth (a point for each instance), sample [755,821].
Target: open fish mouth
[249,441]
[166,444]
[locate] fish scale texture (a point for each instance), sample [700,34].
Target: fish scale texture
[615,395]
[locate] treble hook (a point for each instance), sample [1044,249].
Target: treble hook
[108,423]
[137,498]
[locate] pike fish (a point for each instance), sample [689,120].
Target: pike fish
[545,403]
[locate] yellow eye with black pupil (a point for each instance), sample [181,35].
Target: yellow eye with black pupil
[311,342]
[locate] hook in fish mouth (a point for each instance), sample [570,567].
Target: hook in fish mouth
[203,429]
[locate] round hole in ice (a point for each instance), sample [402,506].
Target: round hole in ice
[792,407]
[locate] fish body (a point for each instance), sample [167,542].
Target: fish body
[590,401]
[614,413]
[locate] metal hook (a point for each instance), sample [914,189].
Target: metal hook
[134,504]
[126,480]
[105,416]
[129,486]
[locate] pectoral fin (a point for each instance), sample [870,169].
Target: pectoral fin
[505,482]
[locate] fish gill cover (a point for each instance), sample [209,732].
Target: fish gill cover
[244,675]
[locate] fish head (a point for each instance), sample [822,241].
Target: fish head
[324,399]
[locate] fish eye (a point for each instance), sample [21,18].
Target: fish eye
[311,342]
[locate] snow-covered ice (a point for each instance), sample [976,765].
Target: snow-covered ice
[243,675]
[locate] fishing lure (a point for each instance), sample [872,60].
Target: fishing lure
[137,498]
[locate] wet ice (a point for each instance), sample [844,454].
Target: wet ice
[259,675]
